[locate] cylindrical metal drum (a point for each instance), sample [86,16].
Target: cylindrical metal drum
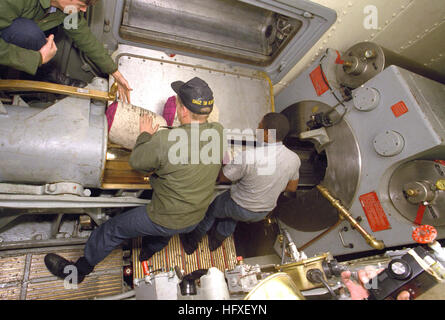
[365,60]
[231,23]
[228,27]
[66,142]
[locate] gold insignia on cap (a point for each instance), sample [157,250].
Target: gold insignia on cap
[203,103]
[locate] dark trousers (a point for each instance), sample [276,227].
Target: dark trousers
[228,213]
[131,224]
[24,33]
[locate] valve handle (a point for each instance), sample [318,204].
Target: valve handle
[424,234]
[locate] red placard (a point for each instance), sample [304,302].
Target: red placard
[374,212]
[318,80]
[399,109]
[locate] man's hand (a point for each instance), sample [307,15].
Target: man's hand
[358,290]
[49,50]
[123,86]
[146,124]
[78,5]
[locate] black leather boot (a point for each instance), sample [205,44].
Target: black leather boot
[189,242]
[215,239]
[55,76]
[57,265]
[83,267]
[151,245]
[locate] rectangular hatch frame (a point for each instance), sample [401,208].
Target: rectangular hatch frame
[246,33]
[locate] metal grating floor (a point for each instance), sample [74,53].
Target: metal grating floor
[174,255]
[23,276]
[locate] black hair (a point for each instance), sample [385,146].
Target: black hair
[278,122]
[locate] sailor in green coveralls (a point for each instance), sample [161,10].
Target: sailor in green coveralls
[185,162]
[24,46]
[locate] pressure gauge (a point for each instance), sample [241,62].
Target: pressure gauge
[399,269]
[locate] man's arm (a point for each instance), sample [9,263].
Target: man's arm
[222,178]
[19,58]
[147,153]
[232,172]
[88,43]
[292,186]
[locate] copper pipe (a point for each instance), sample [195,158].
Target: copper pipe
[321,235]
[373,242]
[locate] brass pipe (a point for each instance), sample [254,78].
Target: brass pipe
[37,86]
[321,235]
[373,242]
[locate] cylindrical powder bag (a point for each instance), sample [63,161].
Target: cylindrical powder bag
[124,126]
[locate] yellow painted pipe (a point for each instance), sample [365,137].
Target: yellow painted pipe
[37,86]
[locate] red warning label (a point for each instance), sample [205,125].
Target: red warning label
[318,80]
[374,212]
[399,109]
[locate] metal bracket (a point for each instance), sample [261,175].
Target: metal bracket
[2,109]
[350,245]
[18,101]
[48,189]
[431,209]
[67,188]
[97,215]
[319,137]
[56,226]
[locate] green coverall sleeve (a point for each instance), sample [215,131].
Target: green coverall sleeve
[147,153]
[88,43]
[11,55]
